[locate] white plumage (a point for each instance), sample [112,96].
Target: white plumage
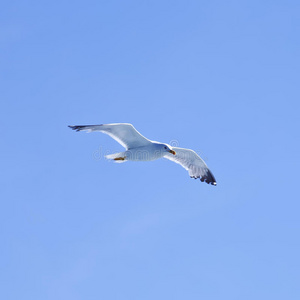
[139,148]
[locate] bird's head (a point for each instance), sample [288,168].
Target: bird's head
[167,148]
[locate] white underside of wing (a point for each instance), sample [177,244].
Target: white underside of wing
[123,133]
[116,138]
[193,163]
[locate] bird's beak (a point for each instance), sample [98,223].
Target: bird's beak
[173,152]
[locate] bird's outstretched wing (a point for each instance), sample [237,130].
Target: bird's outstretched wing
[123,133]
[192,162]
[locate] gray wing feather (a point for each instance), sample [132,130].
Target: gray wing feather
[193,163]
[123,133]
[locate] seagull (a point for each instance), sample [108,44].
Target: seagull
[139,148]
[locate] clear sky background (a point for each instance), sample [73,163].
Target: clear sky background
[219,77]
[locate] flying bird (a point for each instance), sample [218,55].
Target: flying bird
[139,148]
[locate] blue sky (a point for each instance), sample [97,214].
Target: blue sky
[219,77]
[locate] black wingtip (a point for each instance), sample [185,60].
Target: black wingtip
[76,127]
[83,127]
[208,178]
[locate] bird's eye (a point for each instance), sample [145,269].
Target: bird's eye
[165,147]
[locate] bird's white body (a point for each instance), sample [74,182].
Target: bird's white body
[144,153]
[139,148]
